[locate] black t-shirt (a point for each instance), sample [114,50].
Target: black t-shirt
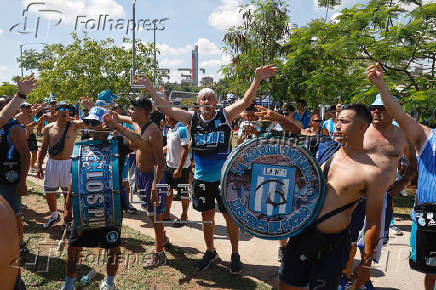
[156,117]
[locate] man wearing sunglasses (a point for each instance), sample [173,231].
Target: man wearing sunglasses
[96,237]
[58,139]
[423,139]
[385,143]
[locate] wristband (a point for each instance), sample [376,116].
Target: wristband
[20,95]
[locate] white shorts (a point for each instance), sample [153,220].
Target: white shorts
[57,174]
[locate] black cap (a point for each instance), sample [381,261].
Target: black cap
[142,103]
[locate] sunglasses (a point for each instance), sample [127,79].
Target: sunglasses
[92,123]
[26,107]
[317,121]
[377,107]
[63,110]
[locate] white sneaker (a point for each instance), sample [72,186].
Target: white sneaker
[396,230]
[105,286]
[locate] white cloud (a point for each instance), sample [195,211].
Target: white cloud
[207,47]
[6,74]
[213,63]
[165,49]
[227,14]
[71,9]
[334,17]
[170,62]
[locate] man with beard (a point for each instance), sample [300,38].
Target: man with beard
[385,143]
[211,144]
[58,139]
[424,140]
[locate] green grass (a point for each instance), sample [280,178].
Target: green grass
[179,273]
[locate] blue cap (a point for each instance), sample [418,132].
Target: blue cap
[107,96]
[378,101]
[96,113]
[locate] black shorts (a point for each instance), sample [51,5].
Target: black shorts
[204,196]
[315,259]
[106,238]
[174,183]
[32,143]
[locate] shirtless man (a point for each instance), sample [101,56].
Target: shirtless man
[317,256]
[424,140]
[58,167]
[385,143]
[150,162]
[211,131]
[25,117]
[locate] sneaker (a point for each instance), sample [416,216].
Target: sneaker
[131,209]
[157,259]
[23,248]
[235,264]
[106,286]
[281,253]
[177,197]
[396,230]
[208,258]
[68,226]
[23,205]
[367,286]
[345,283]
[166,240]
[52,221]
[178,223]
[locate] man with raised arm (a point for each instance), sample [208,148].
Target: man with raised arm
[424,140]
[211,135]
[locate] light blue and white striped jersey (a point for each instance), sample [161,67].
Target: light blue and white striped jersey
[426,191]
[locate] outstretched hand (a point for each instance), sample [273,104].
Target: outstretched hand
[87,102]
[375,75]
[265,114]
[27,85]
[264,72]
[145,83]
[109,121]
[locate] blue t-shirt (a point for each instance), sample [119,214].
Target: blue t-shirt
[426,191]
[304,118]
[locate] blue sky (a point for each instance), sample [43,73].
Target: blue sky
[191,22]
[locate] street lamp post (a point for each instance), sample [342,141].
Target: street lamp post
[21,53]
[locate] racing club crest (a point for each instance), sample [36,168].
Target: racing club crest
[271,189]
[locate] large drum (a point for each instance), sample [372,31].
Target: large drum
[95,185]
[271,187]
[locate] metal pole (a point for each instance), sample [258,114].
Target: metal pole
[154,47]
[21,62]
[133,39]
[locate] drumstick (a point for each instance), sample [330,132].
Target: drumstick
[61,243]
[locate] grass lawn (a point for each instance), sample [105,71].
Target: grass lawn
[44,267]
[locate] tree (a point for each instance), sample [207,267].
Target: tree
[86,67]
[7,89]
[258,41]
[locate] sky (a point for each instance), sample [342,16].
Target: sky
[189,22]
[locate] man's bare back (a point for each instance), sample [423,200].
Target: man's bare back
[145,160]
[348,180]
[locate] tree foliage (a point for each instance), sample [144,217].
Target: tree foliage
[7,89]
[86,67]
[327,59]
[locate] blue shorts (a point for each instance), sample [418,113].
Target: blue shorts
[9,192]
[315,259]
[357,220]
[144,181]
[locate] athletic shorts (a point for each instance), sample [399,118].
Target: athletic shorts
[125,173]
[174,183]
[9,192]
[302,267]
[97,238]
[204,196]
[32,143]
[57,174]
[144,181]
[422,253]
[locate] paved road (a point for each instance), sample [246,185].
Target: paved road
[260,256]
